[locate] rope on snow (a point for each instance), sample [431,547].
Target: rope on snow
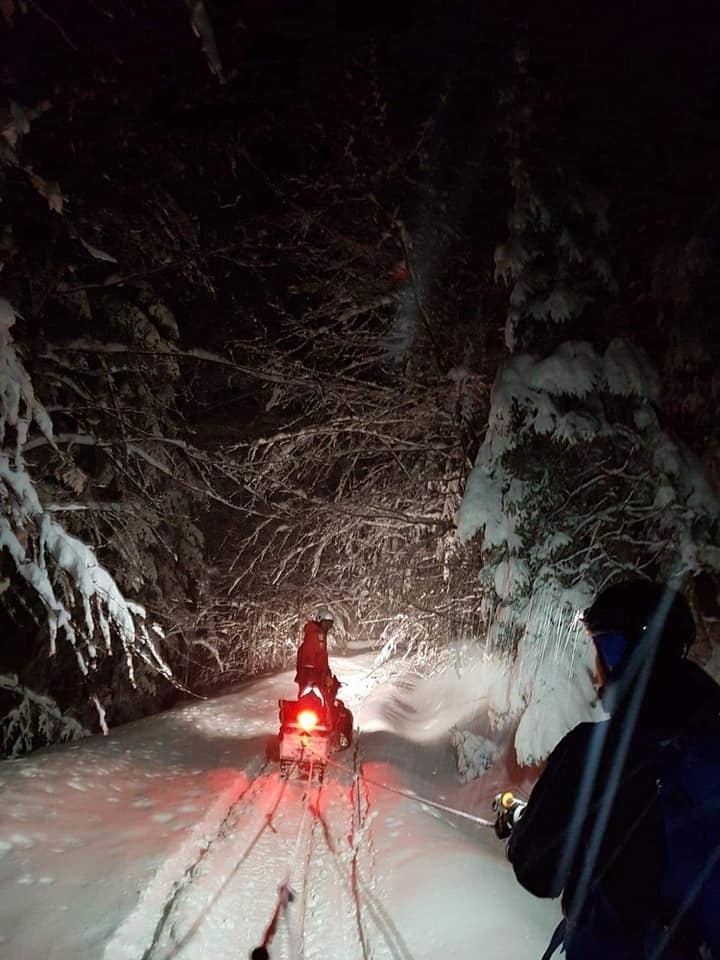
[413,796]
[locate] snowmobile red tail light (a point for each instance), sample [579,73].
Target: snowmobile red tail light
[307,720]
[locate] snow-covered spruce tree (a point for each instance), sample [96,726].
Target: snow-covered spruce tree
[555,260]
[120,472]
[577,482]
[128,477]
[684,288]
[50,575]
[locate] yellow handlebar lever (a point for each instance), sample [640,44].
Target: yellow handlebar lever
[507,809]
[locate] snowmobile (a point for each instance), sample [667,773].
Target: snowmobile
[310,731]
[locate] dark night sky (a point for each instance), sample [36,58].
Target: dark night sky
[642,72]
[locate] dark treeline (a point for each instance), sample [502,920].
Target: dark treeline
[265,263]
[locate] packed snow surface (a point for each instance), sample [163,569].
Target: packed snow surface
[174,837]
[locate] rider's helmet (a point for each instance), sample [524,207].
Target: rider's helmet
[638,613]
[324,616]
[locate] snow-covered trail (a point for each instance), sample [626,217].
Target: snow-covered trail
[173,837]
[276,834]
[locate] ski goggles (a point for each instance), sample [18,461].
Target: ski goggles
[611,646]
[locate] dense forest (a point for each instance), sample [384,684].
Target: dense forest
[416,317]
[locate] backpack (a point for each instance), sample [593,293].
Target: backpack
[686,925]
[688,791]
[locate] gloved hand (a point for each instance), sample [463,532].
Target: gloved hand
[508,810]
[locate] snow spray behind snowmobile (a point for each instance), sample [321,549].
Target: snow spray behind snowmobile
[310,731]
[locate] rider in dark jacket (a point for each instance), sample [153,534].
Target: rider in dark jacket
[593,829]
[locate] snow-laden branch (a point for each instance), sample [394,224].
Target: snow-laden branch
[82,602]
[284,374]
[35,716]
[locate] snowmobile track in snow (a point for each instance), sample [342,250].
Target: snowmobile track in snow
[347,875]
[367,906]
[172,907]
[216,895]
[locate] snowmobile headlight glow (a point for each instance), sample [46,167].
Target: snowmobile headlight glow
[307,720]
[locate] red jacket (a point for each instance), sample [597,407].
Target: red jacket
[312,653]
